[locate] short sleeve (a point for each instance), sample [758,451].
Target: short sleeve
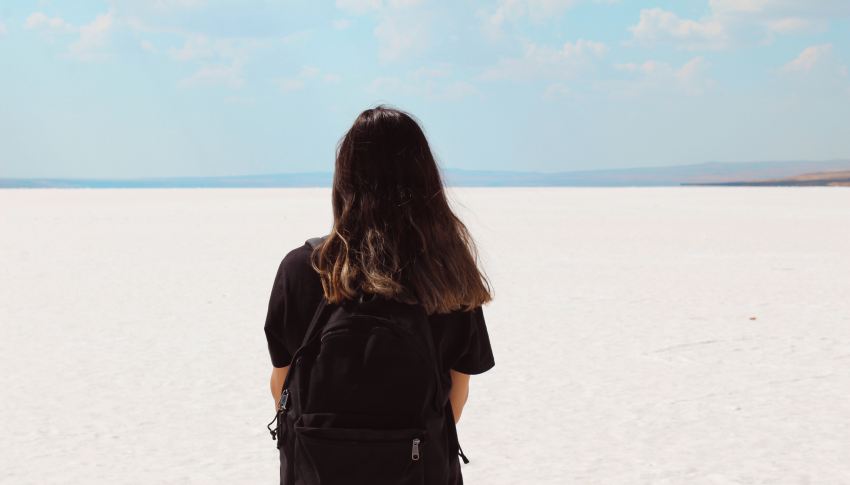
[274,326]
[295,295]
[476,353]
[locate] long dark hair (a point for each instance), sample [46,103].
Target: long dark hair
[394,234]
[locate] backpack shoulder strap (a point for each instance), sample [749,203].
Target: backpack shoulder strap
[314,322]
[323,303]
[315,241]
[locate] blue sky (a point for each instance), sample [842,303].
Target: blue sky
[127,88]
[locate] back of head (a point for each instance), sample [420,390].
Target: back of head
[394,234]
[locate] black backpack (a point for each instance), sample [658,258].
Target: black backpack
[363,400]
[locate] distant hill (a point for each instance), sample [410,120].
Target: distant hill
[646,176]
[838,178]
[725,173]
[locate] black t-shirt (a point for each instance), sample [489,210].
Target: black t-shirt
[460,337]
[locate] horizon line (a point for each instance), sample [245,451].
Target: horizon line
[447,169]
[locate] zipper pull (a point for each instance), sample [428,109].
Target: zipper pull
[414,455]
[284,397]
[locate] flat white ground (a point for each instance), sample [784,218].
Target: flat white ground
[641,335]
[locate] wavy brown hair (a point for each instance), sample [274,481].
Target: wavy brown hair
[394,234]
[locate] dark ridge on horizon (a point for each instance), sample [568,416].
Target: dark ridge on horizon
[707,173]
[840,178]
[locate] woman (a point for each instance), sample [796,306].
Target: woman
[394,236]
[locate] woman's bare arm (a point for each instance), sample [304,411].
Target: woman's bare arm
[459,392]
[278,376]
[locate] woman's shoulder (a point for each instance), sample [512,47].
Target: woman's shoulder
[296,262]
[459,323]
[298,254]
[476,313]
[463,340]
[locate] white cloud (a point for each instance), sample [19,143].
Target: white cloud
[433,82]
[734,22]
[404,3]
[216,51]
[172,4]
[397,39]
[690,78]
[228,75]
[809,58]
[306,74]
[401,30]
[193,48]
[428,89]
[3,30]
[811,8]
[199,47]
[359,6]
[738,5]
[788,25]
[656,24]
[692,75]
[93,38]
[215,60]
[39,20]
[131,8]
[220,60]
[817,67]
[508,11]
[362,6]
[540,61]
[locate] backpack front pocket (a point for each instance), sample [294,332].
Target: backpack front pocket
[355,456]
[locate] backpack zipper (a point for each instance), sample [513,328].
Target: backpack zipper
[414,452]
[284,397]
